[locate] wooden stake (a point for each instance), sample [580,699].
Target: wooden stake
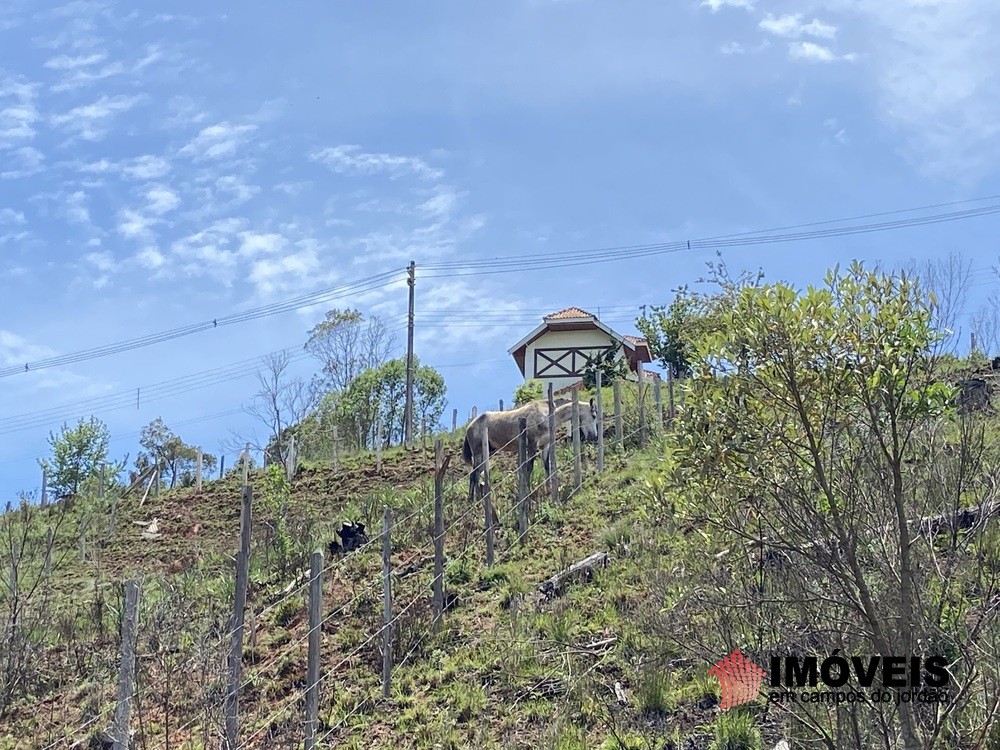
[378,446]
[440,464]
[126,668]
[487,497]
[336,450]
[616,391]
[600,426]
[658,402]
[45,478]
[315,634]
[642,403]
[577,464]
[387,604]
[473,414]
[454,420]
[523,480]
[236,622]
[553,478]
[670,394]
[198,470]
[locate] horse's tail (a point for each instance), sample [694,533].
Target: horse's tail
[467,450]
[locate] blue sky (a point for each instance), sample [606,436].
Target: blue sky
[165,166]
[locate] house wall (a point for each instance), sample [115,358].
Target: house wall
[558,345]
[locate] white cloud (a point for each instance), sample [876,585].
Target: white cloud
[18,113]
[812,52]
[253,244]
[134,225]
[161,199]
[791,26]
[717,5]
[144,168]
[16,350]
[732,48]
[218,141]
[65,62]
[102,260]
[76,209]
[150,258]
[350,159]
[288,271]
[10,216]
[92,121]
[934,65]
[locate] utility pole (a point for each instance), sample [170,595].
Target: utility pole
[408,410]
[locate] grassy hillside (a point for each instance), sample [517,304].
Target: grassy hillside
[508,667]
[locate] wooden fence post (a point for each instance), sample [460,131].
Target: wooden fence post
[49,541]
[553,479]
[577,465]
[454,420]
[600,426]
[378,446]
[642,403]
[45,482]
[126,668]
[236,623]
[423,433]
[336,450]
[501,404]
[487,497]
[473,414]
[440,464]
[523,480]
[670,393]
[315,635]
[290,459]
[222,465]
[616,390]
[246,466]
[658,402]
[198,470]
[386,603]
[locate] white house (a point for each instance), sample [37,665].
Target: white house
[560,349]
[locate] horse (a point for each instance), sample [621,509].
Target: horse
[502,427]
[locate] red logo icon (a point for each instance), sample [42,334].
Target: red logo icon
[739,678]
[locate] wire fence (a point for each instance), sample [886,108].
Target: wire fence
[408,525]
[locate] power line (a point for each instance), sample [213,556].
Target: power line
[305,300]
[567,259]
[127,399]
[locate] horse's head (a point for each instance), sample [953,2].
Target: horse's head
[588,423]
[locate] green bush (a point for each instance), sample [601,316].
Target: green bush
[736,730]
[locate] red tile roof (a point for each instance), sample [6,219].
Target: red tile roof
[636,340]
[570,312]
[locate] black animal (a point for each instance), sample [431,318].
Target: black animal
[352,537]
[995,364]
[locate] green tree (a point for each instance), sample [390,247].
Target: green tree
[530,390]
[77,455]
[612,367]
[379,394]
[670,330]
[176,459]
[347,343]
[813,434]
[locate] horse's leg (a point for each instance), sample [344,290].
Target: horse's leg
[473,476]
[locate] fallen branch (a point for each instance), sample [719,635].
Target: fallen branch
[554,585]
